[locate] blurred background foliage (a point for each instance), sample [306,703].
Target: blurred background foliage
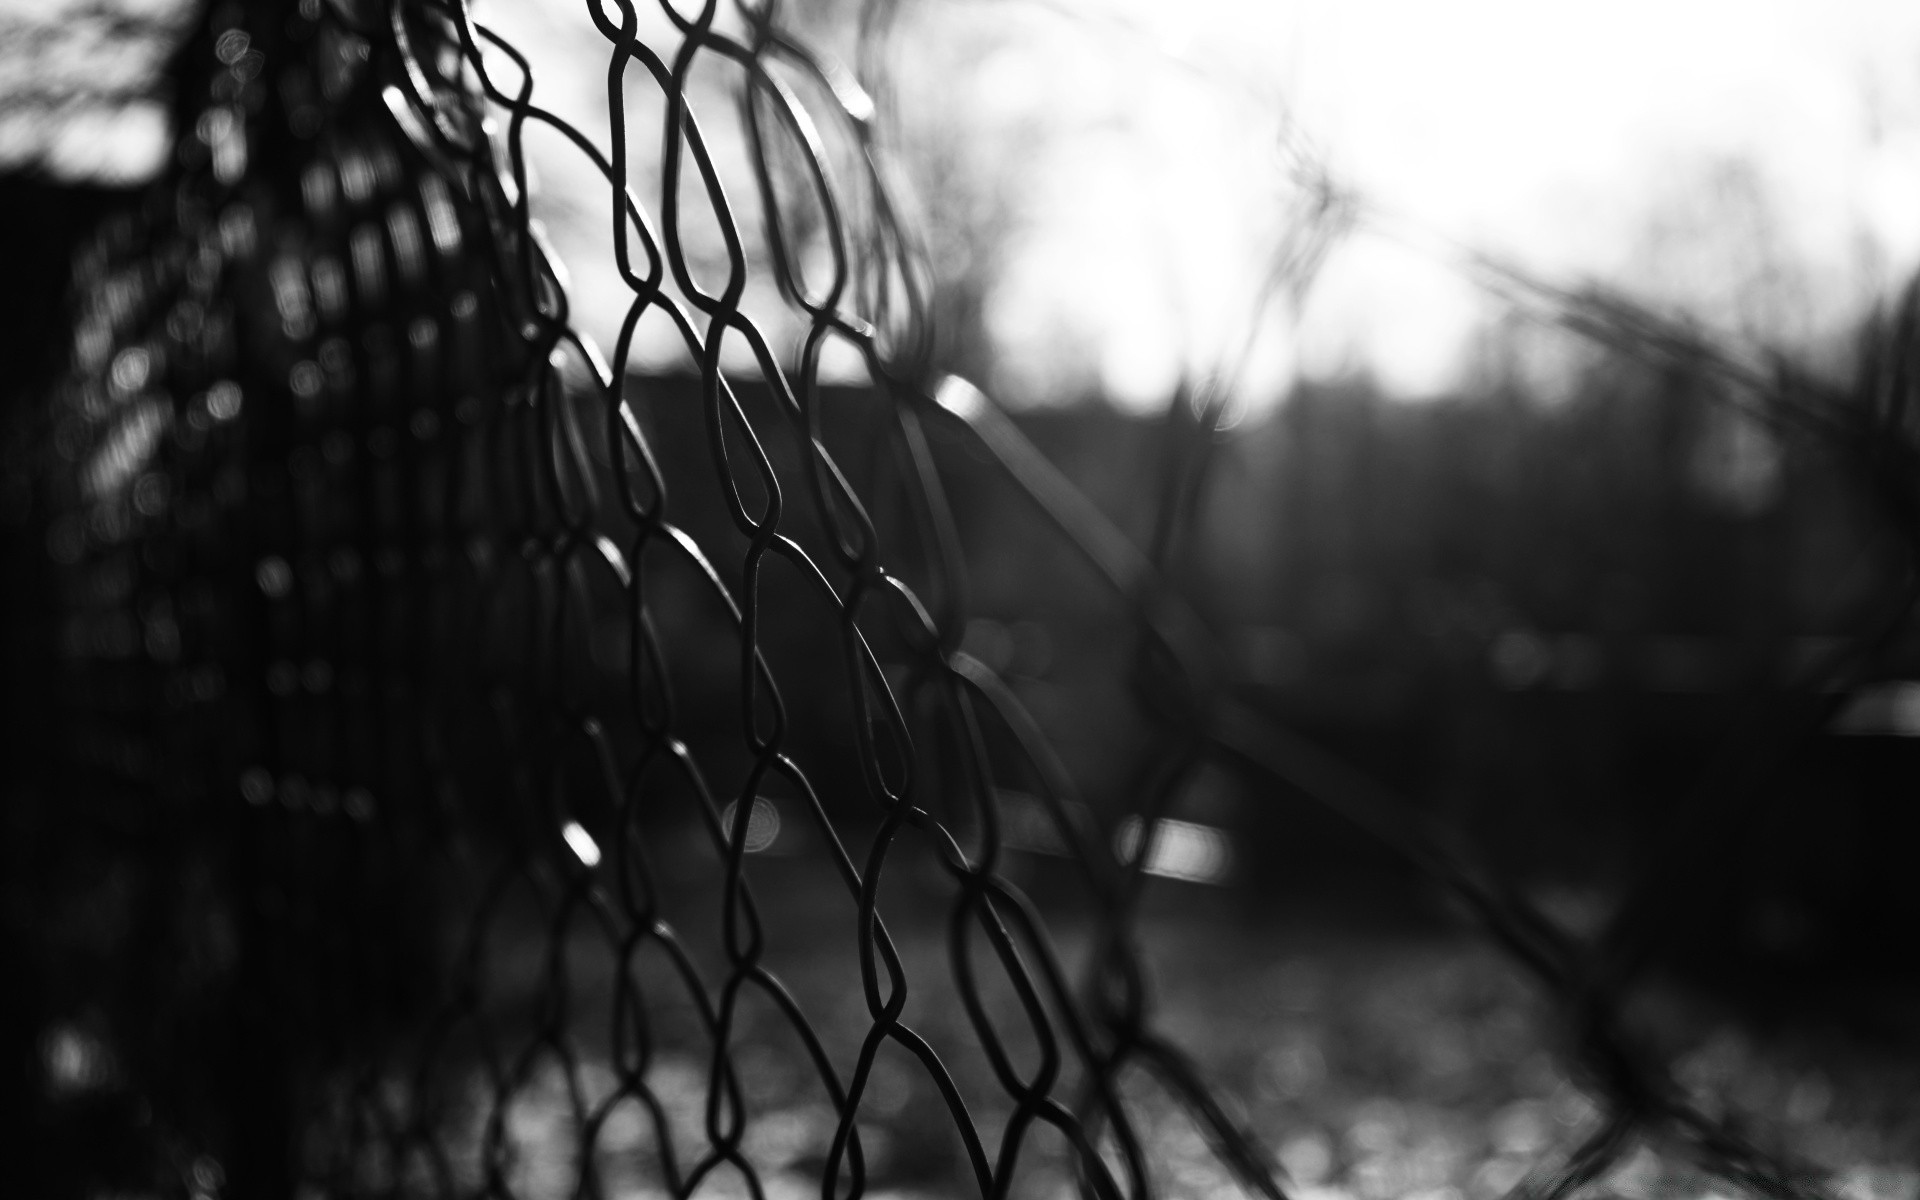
[1530,579]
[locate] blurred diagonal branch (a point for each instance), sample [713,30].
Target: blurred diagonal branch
[1635,1088]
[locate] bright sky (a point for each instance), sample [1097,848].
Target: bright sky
[1677,148]
[1754,163]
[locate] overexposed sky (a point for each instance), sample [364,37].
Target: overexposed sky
[1131,168]
[1680,150]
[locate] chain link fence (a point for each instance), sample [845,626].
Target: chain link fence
[426,683]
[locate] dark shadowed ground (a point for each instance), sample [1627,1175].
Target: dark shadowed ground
[1377,1055]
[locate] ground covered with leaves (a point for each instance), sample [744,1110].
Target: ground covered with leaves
[1373,1060]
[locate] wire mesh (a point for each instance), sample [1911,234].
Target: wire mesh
[439,677]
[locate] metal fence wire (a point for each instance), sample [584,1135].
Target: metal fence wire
[390,652]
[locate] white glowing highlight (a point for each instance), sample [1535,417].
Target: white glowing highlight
[1181,850]
[763,825]
[128,451]
[960,398]
[581,843]
[1891,710]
